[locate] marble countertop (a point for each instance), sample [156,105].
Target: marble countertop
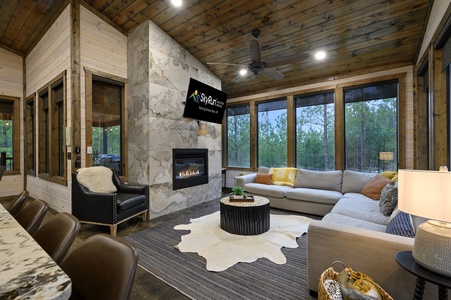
[26,270]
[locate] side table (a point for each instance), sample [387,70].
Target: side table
[406,260]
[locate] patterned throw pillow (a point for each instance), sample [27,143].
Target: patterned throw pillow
[389,199]
[401,225]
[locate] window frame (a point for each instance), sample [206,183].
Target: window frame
[30,135]
[47,148]
[91,75]
[16,134]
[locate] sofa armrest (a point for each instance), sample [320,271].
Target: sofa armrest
[248,178]
[363,250]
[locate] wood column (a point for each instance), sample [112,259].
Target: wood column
[76,80]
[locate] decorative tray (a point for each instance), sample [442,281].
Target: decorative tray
[248,198]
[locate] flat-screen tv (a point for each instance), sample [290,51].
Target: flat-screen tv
[204,103]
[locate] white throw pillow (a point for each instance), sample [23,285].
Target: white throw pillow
[97,179]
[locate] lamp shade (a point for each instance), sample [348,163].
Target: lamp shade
[425,193]
[386,155]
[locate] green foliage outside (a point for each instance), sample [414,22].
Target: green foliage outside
[370,128]
[6,140]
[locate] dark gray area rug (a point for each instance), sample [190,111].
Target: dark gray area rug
[186,272]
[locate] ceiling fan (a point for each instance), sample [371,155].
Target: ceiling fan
[257,66]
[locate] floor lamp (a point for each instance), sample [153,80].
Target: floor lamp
[385,156]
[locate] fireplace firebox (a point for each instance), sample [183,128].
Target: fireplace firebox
[189,167]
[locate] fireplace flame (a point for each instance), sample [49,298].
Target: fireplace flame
[189,173]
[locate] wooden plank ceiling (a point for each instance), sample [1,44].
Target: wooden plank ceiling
[358,35]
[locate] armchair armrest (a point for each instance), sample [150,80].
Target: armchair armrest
[129,188]
[248,178]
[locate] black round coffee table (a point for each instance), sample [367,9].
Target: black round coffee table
[245,218]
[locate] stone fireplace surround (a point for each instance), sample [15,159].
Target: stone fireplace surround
[158,76]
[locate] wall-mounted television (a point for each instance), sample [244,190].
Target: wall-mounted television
[204,103]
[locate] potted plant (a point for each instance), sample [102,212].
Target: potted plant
[237,193]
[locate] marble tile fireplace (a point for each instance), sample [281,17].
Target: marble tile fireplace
[189,167]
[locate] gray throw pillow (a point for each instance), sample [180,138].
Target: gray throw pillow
[388,199]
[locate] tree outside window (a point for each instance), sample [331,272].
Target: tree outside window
[272,133]
[371,127]
[315,135]
[238,131]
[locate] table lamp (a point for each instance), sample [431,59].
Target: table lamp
[428,194]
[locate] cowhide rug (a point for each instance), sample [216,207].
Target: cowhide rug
[223,250]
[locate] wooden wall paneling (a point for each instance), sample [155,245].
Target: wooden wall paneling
[402,123]
[88,113]
[339,129]
[291,132]
[75,68]
[420,136]
[441,140]
[253,135]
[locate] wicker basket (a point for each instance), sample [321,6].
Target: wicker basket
[330,273]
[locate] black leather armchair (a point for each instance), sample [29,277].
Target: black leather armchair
[109,209]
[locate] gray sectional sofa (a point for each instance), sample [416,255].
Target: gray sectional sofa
[352,229]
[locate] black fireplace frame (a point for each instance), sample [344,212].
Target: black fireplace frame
[178,153]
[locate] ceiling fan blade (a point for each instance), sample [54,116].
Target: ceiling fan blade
[271,73]
[255,51]
[226,64]
[287,60]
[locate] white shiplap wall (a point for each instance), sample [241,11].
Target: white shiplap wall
[102,49]
[49,58]
[11,84]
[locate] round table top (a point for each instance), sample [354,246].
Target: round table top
[258,201]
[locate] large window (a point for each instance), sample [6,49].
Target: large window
[51,131]
[30,136]
[371,127]
[107,98]
[9,133]
[238,131]
[315,131]
[272,133]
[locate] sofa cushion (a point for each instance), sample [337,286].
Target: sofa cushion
[324,180]
[389,199]
[313,195]
[360,207]
[263,170]
[402,225]
[353,182]
[276,191]
[373,188]
[353,222]
[97,179]
[283,176]
[263,178]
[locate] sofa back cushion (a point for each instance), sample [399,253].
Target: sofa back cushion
[353,182]
[322,180]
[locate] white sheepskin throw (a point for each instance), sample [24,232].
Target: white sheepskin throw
[223,250]
[97,179]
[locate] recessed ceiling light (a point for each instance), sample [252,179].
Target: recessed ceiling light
[176,2]
[243,72]
[320,55]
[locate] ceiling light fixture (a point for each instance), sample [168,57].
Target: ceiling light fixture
[320,55]
[243,72]
[176,3]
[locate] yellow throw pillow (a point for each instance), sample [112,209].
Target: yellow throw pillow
[389,174]
[283,176]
